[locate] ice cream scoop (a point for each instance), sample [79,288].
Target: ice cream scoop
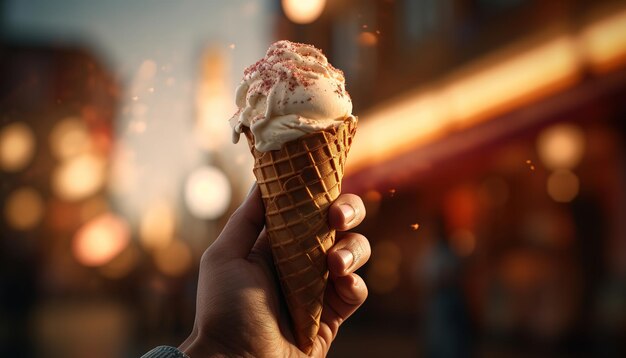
[290,92]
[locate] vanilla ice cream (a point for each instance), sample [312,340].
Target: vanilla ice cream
[290,92]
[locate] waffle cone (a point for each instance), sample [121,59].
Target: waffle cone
[298,183]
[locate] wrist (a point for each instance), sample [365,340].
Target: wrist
[195,347]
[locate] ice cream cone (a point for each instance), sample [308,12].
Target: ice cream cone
[298,183]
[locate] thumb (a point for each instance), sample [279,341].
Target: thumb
[243,228]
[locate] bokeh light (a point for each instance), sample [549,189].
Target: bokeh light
[367,39]
[174,259]
[303,11]
[487,222]
[207,192]
[561,146]
[461,207]
[213,101]
[157,226]
[101,239]
[17,147]
[604,42]
[24,209]
[563,186]
[69,138]
[79,177]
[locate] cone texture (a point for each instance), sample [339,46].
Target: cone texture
[298,183]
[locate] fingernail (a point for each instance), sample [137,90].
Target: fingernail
[348,212]
[346,257]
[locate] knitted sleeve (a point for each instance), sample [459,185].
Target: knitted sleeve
[164,352]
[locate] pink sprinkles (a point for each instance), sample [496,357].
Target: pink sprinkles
[288,71]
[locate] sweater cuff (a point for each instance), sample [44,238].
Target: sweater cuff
[165,352]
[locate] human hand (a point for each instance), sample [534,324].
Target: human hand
[240,310]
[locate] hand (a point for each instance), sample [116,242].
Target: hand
[239,307]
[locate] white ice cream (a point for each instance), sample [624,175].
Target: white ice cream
[290,92]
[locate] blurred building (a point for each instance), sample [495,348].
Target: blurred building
[57,107]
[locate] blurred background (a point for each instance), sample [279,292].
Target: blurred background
[490,154]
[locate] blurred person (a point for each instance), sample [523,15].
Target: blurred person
[239,307]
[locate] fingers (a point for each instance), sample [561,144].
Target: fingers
[352,291]
[350,252]
[343,297]
[346,212]
[346,290]
[243,228]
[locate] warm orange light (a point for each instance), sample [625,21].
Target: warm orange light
[563,186]
[69,138]
[488,88]
[397,127]
[303,11]
[496,86]
[367,39]
[17,147]
[561,146]
[604,42]
[214,102]
[211,132]
[508,84]
[100,240]
[460,207]
[79,177]
[24,209]
[174,259]
[157,226]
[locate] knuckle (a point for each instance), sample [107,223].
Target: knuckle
[359,246]
[359,243]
